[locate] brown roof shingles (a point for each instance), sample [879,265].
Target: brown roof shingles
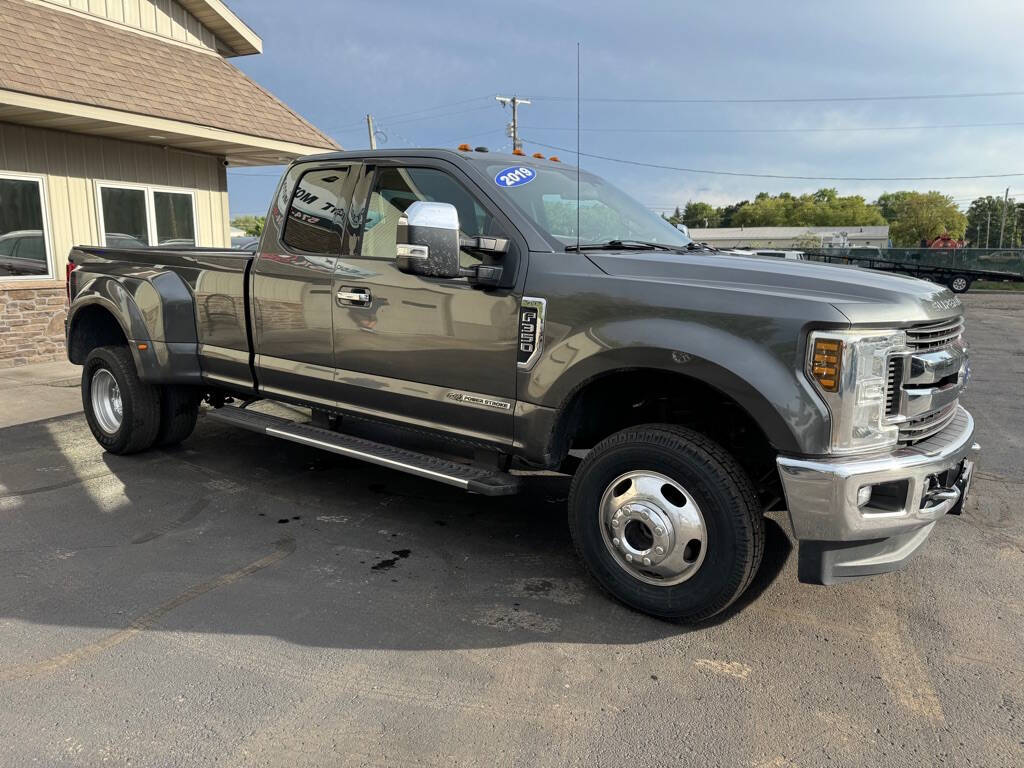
[55,54]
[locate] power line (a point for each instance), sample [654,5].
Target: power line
[789,100]
[361,122]
[778,175]
[779,130]
[386,121]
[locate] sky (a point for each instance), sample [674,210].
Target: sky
[429,72]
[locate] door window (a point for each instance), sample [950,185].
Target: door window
[315,213]
[395,189]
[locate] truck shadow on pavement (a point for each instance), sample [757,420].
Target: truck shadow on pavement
[237,534]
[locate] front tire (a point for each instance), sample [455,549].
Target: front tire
[123,411]
[667,522]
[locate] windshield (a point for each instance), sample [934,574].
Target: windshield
[606,213]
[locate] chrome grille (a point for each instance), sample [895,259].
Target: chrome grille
[908,380]
[935,335]
[922,427]
[892,386]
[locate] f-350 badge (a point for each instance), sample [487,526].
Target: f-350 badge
[531,331]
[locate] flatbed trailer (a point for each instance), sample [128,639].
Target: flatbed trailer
[956,268]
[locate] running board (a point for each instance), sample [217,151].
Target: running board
[474,479]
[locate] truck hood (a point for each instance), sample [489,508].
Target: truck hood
[864,296]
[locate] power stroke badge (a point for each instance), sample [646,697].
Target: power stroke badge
[531,330]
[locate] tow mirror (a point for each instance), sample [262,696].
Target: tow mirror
[427,241]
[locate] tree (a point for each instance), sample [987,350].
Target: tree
[824,208]
[702,215]
[921,216]
[251,225]
[983,219]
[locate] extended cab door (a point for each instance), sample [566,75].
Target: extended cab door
[292,279]
[429,351]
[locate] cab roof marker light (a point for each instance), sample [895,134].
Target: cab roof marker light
[538,155]
[464,148]
[554,159]
[518,152]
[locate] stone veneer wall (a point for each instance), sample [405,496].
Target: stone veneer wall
[31,325]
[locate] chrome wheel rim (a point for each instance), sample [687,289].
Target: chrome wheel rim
[653,528]
[959,283]
[106,401]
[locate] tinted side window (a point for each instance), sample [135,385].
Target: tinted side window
[32,248]
[314,217]
[395,189]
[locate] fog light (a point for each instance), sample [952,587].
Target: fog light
[863,495]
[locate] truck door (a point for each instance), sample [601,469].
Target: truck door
[291,282]
[435,352]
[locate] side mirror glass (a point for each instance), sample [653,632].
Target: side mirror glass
[427,240]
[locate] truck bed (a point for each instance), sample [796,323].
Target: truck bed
[185,295]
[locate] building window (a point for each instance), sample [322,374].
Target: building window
[137,216]
[24,235]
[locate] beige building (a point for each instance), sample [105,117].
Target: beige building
[793,237]
[118,120]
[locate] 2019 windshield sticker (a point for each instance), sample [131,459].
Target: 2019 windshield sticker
[514,176]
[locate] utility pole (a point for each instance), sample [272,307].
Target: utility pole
[369,127]
[988,225]
[1002,219]
[515,101]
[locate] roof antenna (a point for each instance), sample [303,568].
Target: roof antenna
[577,146]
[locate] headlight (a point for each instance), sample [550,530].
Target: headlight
[849,369]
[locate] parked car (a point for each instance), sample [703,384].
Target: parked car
[473,329]
[121,240]
[775,254]
[246,243]
[23,252]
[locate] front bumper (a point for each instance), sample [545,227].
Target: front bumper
[912,487]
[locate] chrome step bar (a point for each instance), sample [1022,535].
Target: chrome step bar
[487,482]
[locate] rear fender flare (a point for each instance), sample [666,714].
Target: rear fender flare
[157,313]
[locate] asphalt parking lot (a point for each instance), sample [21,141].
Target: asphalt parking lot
[244,601]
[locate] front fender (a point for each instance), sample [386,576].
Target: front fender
[759,368]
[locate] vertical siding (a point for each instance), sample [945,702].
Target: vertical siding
[72,164]
[166,18]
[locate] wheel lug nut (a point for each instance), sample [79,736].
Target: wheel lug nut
[629,558]
[659,550]
[615,542]
[647,561]
[659,531]
[644,515]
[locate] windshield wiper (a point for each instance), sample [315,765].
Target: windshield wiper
[630,245]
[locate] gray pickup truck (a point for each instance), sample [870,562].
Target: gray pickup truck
[470,317]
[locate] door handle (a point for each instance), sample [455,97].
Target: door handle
[359,297]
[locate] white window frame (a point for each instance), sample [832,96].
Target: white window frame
[44,202]
[148,189]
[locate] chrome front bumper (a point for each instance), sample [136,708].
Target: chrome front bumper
[912,487]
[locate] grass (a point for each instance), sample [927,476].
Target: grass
[989,285]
